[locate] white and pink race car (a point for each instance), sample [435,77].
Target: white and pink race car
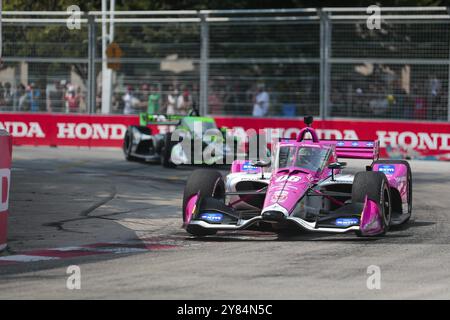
[302,188]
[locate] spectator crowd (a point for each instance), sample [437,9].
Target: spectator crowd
[154,100]
[422,100]
[60,96]
[180,99]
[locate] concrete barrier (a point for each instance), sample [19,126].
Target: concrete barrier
[5,181]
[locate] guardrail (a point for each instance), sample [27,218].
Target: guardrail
[5,181]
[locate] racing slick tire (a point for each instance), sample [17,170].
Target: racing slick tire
[128,141]
[408,179]
[375,186]
[166,152]
[209,183]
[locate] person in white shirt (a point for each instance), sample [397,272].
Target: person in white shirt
[171,102]
[261,104]
[184,102]
[130,101]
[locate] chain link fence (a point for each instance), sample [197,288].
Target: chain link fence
[399,71]
[273,63]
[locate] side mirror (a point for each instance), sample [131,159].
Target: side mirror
[260,163]
[336,165]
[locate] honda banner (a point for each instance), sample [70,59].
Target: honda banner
[398,139]
[66,130]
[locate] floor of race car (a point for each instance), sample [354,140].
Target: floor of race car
[120,222]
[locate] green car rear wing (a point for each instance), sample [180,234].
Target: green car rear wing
[159,119]
[165,119]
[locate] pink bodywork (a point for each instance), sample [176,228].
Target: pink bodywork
[371,222]
[190,208]
[288,185]
[397,177]
[286,189]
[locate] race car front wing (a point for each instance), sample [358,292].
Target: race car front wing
[370,221]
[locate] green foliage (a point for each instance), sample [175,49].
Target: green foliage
[142,40]
[51,5]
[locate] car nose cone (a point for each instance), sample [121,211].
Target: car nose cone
[273,216]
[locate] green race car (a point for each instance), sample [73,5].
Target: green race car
[181,139]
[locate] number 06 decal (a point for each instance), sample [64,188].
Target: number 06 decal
[288,178]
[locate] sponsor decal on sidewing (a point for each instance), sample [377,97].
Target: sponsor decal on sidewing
[247,167]
[212,217]
[345,222]
[387,169]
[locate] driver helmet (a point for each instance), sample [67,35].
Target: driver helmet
[306,154]
[308,151]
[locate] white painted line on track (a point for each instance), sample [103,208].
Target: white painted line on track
[117,250]
[26,258]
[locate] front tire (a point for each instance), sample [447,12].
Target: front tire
[208,183]
[375,186]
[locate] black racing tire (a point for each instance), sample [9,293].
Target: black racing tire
[128,141]
[166,152]
[409,180]
[209,183]
[375,186]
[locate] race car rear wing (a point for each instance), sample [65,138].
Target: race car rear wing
[159,119]
[164,119]
[355,149]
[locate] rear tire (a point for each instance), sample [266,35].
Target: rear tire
[128,141]
[375,186]
[209,183]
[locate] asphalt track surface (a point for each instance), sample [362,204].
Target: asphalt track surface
[69,197]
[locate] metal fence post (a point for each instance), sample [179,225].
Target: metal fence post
[1,32]
[325,49]
[328,67]
[448,89]
[448,93]
[448,83]
[324,64]
[448,78]
[91,64]
[204,64]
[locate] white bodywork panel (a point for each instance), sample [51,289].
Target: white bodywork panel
[233,179]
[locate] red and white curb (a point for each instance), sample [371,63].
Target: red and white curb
[86,250]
